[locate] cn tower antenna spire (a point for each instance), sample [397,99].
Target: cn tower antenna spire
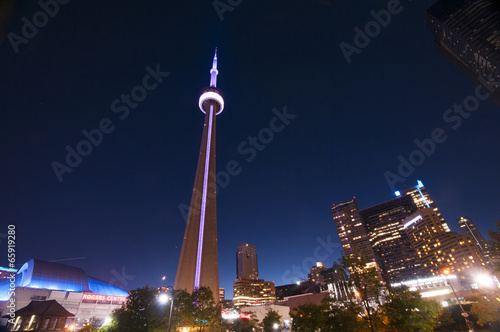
[214,71]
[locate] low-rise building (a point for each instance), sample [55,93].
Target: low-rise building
[253,292]
[82,295]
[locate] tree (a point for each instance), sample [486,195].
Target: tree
[92,326]
[365,284]
[268,323]
[486,308]
[246,325]
[406,311]
[197,310]
[309,317]
[345,316]
[141,313]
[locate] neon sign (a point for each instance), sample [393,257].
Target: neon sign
[110,298]
[235,315]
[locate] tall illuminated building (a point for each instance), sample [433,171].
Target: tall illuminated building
[246,262]
[468,228]
[198,262]
[466,34]
[393,251]
[248,289]
[440,250]
[352,232]
[378,231]
[422,199]
[385,228]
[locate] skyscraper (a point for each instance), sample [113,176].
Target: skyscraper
[198,262]
[385,228]
[466,34]
[246,262]
[393,251]
[468,228]
[352,232]
[378,231]
[439,250]
[422,199]
[248,289]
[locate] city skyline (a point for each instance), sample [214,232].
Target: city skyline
[101,131]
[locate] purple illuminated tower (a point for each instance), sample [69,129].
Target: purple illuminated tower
[198,263]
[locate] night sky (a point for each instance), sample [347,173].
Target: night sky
[347,124]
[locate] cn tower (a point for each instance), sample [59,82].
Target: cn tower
[198,263]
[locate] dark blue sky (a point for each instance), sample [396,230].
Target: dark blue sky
[119,207]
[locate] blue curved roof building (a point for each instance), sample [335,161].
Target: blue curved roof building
[54,276]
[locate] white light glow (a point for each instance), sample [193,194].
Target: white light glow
[414,220]
[211,95]
[484,280]
[163,298]
[229,314]
[435,293]
[424,280]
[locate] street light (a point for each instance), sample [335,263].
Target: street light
[465,314]
[163,298]
[107,321]
[484,280]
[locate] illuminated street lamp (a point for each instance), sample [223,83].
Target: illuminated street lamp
[465,314]
[484,280]
[163,298]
